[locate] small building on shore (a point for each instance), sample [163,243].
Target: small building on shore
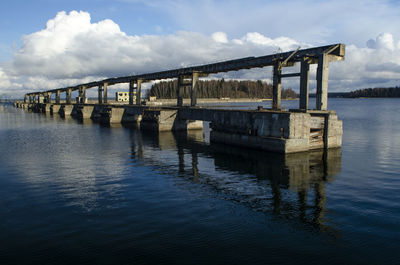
[124,96]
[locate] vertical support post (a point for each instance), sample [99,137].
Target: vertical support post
[304,84]
[68,96]
[322,82]
[58,96]
[139,92]
[277,87]
[40,99]
[82,94]
[193,89]
[131,88]
[25,98]
[105,93]
[179,99]
[48,100]
[100,94]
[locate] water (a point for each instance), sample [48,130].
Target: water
[82,193]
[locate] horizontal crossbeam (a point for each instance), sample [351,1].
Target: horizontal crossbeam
[290,75]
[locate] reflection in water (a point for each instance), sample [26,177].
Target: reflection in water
[54,153]
[291,186]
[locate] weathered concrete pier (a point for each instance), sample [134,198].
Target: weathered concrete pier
[275,129]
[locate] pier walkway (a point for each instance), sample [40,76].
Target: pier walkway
[278,130]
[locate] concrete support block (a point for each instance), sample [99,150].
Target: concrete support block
[46,108]
[279,145]
[86,112]
[132,114]
[334,131]
[116,115]
[194,125]
[54,109]
[283,132]
[113,115]
[167,120]
[66,110]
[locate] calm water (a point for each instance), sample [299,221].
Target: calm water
[82,193]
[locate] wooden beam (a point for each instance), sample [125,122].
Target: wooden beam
[290,75]
[276,87]
[193,89]
[139,92]
[304,84]
[131,88]
[322,82]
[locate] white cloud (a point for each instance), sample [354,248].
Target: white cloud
[311,21]
[383,41]
[72,50]
[4,80]
[283,43]
[220,37]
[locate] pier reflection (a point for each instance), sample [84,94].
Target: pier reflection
[290,186]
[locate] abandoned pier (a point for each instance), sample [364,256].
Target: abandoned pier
[275,129]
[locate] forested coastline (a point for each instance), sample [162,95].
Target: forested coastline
[219,89]
[254,89]
[379,92]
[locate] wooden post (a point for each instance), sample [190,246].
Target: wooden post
[58,97]
[277,87]
[25,98]
[82,94]
[48,97]
[105,93]
[304,84]
[322,82]
[131,88]
[100,94]
[68,96]
[179,99]
[139,92]
[193,89]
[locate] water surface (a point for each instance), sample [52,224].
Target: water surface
[81,193]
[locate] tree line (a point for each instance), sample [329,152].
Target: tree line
[219,89]
[378,92]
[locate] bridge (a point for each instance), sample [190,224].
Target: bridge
[274,129]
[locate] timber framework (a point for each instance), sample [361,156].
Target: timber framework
[274,129]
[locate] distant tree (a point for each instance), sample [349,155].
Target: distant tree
[388,92]
[218,89]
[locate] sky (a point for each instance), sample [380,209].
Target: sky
[48,44]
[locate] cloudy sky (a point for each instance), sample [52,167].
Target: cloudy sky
[47,44]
